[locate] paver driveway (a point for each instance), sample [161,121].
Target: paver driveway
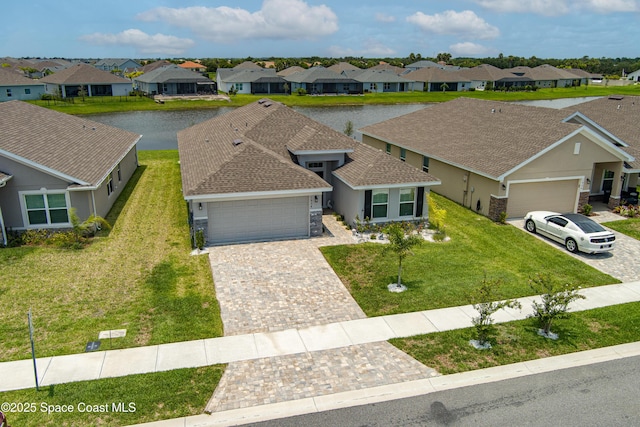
[277,286]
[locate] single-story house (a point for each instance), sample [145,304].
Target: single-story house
[173,80]
[486,74]
[421,64]
[547,76]
[71,81]
[432,79]
[319,80]
[380,81]
[14,85]
[265,171]
[51,162]
[496,157]
[619,116]
[341,67]
[250,80]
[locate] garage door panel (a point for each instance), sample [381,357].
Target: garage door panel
[558,196]
[264,219]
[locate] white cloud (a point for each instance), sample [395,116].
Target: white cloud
[143,43]
[278,19]
[382,17]
[465,23]
[611,6]
[560,7]
[540,7]
[470,49]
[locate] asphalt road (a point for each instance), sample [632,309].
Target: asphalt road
[603,394]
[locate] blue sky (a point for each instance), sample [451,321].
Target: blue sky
[334,28]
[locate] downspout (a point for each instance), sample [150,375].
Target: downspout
[93,201]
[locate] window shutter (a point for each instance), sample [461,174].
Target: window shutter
[420,202]
[367,204]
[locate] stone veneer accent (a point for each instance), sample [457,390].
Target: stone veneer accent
[583,199]
[496,206]
[315,223]
[613,202]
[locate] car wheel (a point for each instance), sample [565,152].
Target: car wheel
[571,245]
[530,226]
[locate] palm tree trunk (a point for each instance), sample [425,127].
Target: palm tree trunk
[399,271]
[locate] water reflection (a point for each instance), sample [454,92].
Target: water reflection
[159,128]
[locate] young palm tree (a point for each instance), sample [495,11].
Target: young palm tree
[401,244]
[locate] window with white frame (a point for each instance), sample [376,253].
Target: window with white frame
[379,203]
[388,149]
[238,86]
[425,164]
[46,209]
[119,173]
[407,201]
[403,154]
[8,93]
[386,86]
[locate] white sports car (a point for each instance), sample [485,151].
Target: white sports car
[575,231]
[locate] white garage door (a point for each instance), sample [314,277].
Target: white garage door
[264,219]
[557,196]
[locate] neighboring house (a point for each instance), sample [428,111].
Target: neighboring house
[117,64]
[70,82]
[193,66]
[422,64]
[496,157]
[380,81]
[388,67]
[635,76]
[319,80]
[619,115]
[51,162]
[250,80]
[155,64]
[15,86]
[585,76]
[485,74]
[291,70]
[547,76]
[264,172]
[432,79]
[173,80]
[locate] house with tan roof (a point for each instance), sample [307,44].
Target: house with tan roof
[51,162]
[265,172]
[71,81]
[487,75]
[16,86]
[320,80]
[495,157]
[380,81]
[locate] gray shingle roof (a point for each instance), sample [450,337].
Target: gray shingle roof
[435,75]
[75,147]
[378,76]
[465,132]
[11,78]
[316,74]
[231,75]
[171,74]
[485,72]
[212,164]
[622,122]
[83,74]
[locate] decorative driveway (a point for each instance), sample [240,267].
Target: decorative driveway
[279,286]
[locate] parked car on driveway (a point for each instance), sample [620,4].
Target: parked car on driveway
[575,231]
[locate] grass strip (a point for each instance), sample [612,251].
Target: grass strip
[450,352]
[116,401]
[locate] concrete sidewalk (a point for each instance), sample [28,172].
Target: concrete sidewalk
[115,363]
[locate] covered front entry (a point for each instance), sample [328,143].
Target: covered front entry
[260,219]
[558,196]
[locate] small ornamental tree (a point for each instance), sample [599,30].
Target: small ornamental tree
[401,244]
[482,300]
[555,300]
[348,128]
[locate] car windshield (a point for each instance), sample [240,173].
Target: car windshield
[585,224]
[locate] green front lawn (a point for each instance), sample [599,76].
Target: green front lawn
[630,227]
[146,398]
[441,274]
[139,277]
